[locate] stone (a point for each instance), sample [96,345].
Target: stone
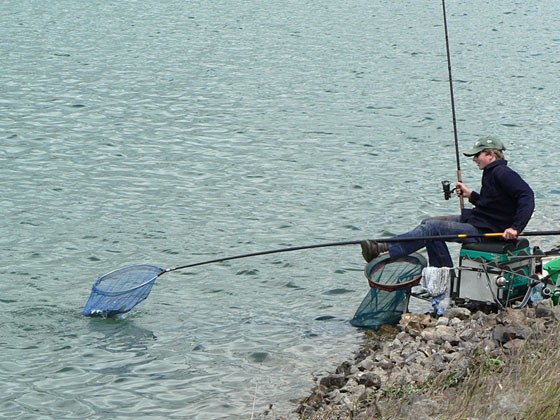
[451,339]
[408,350]
[511,316]
[386,364]
[345,368]
[442,321]
[414,322]
[429,334]
[457,323]
[488,345]
[456,312]
[466,334]
[556,312]
[366,365]
[370,380]
[504,333]
[515,345]
[333,381]
[427,351]
[444,334]
[543,309]
[420,376]
[402,336]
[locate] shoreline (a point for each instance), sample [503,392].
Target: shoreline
[407,359]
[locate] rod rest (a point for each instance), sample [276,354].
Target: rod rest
[498,247]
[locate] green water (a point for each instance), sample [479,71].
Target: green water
[181,131]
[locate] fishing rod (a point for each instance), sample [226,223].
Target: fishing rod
[459,176]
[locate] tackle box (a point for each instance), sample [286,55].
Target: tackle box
[493,271]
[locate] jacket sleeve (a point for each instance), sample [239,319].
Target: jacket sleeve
[474,197]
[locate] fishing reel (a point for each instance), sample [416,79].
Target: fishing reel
[447,189]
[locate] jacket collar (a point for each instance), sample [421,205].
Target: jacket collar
[499,162]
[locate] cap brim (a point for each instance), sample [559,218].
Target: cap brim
[470,153]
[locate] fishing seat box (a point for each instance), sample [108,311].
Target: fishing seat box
[476,280]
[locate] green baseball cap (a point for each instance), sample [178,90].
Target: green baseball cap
[485,143]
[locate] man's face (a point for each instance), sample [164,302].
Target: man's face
[483,158]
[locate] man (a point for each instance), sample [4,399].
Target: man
[505,204]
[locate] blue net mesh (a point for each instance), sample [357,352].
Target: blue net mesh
[390,282]
[121,290]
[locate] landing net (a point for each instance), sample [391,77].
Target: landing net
[390,282]
[121,290]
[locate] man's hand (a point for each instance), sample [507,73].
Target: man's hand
[510,233]
[463,190]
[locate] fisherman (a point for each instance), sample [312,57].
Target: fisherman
[505,204]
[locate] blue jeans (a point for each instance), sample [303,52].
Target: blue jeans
[438,253]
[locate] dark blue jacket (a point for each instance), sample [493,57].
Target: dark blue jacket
[505,200]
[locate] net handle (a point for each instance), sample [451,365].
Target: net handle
[255,254]
[356,242]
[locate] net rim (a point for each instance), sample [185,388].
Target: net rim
[386,259]
[157,270]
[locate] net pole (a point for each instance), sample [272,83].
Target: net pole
[356,242]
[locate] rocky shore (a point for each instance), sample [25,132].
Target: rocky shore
[416,351]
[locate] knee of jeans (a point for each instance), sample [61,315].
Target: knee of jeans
[434,226]
[430,221]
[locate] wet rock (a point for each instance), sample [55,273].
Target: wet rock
[333,381]
[345,368]
[305,411]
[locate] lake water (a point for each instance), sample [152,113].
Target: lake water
[182,131]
